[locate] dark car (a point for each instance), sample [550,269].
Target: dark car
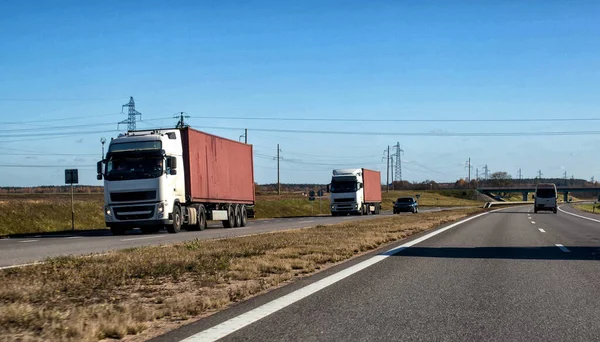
[406,204]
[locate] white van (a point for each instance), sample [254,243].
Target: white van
[545,197]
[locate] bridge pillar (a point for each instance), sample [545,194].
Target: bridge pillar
[566,198]
[525,196]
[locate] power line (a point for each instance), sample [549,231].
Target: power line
[58,119]
[424,134]
[394,120]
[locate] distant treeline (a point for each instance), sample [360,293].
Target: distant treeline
[51,189]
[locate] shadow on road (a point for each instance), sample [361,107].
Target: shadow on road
[524,253]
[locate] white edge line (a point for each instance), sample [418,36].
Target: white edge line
[234,324]
[541,230]
[583,217]
[532,222]
[28,241]
[562,248]
[144,238]
[18,266]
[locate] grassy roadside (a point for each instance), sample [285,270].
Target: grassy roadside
[147,290]
[42,213]
[588,208]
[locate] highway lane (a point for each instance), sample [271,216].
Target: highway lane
[510,275]
[31,248]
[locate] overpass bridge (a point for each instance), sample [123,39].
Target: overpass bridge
[565,190]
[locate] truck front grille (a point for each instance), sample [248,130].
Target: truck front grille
[138,212]
[342,200]
[133,196]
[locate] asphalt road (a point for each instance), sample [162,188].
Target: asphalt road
[32,248]
[509,275]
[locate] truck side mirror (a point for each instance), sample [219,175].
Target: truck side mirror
[99,170]
[173,163]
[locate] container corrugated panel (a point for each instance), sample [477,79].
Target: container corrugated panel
[372,185]
[218,170]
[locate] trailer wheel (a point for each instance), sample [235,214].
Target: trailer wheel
[244,220]
[201,222]
[238,216]
[230,222]
[176,226]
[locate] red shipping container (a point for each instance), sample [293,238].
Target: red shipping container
[218,170]
[372,185]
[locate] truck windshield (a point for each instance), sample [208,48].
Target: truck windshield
[135,146]
[337,187]
[545,193]
[134,168]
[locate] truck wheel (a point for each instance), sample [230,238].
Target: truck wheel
[238,216]
[176,226]
[201,222]
[230,222]
[555,211]
[244,220]
[117,230]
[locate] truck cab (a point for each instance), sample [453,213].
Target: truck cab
[143,180]
[355,191]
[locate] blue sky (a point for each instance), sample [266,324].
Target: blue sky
[309,59]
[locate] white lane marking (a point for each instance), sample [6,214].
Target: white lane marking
[28,241]
[541,230]
[532,222]
[562,248]
[17,266]
[583,217]
[144,238]
[309,221]
[234,324]
[74,237]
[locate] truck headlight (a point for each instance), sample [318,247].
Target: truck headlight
[332,206]
[355,205]
[107,211]
[161,208]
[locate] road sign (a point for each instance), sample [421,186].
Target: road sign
[311,195]
[71,176]
[320,193]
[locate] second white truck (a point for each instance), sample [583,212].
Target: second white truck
[355,191]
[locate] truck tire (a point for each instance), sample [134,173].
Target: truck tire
[118,230]
[244,216]
[230,222]
[238,216]
[177,220]
[201,218]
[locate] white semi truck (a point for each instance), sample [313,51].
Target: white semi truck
[176,178]
[355,191]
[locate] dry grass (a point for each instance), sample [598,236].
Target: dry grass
[144,290]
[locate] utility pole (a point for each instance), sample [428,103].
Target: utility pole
[468,166]
[131,115]
[486,172]
[387,181]
[278,183]
[181,123]
[565,177]
[520,176]
[540,174]
[477,173]
[245,136]
[392,162]
[592,179]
